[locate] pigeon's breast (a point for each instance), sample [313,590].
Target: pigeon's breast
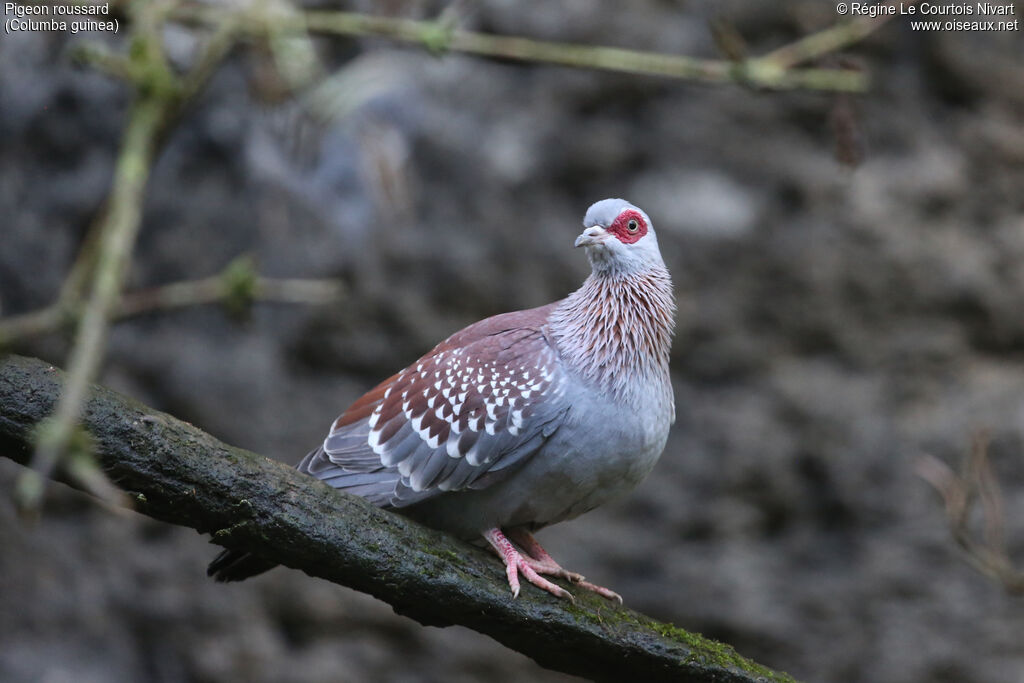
[601,452]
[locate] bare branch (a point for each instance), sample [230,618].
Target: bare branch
[959,492]
[441,36]
[216,289]
[103,263]
[828,41]
[122,223]
[211,290]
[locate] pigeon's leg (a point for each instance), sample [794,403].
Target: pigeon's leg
[515,563]
[543,563]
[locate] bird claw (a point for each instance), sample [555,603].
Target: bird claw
[540,582]
[601,590]
[535,562]
[573,577]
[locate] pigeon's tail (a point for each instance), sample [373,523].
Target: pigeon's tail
[237,565]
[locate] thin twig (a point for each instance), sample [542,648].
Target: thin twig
[123,218]
[100,57]
[32,324]
[441,37]
[157,101]
[959,492]
[837,37]
[217,47]
[203,291]
[211,290]
[825,42]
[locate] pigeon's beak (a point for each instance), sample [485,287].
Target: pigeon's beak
[592,235]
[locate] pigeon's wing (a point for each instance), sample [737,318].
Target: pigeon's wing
[462,417]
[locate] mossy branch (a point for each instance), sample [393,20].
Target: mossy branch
[179,474]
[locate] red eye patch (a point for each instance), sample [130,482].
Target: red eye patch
[629,226]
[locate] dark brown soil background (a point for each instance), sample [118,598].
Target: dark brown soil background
[834,325]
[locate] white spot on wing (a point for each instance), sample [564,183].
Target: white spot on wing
[374,442]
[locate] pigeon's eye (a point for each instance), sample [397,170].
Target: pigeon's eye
[629,227]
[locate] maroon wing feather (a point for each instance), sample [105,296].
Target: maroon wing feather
[462,416]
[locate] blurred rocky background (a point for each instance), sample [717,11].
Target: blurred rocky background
[837,321]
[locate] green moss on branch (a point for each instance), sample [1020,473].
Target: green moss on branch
[179,474]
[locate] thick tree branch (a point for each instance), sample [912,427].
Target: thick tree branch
[178,473]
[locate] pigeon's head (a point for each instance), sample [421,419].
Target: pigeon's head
[619,238]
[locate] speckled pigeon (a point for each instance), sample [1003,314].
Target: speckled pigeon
[523,419]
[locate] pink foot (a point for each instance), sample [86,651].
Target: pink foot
[515,563]
[607,593]
[538,561]
[543,563]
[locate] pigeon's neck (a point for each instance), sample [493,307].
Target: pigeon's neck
[616,330]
